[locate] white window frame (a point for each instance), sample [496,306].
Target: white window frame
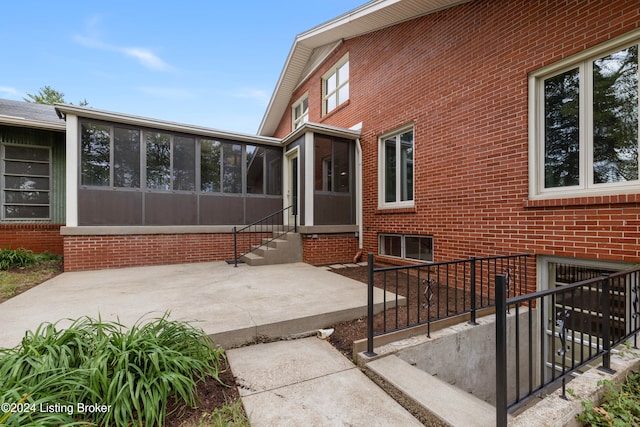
[297,122]
[341,82]
[586,187]
[382,179]
[403,245]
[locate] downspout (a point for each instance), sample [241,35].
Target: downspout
[359,192]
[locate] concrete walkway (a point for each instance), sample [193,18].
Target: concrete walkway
[296,382]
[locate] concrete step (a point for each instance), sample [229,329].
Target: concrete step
[437,401]
[283,250]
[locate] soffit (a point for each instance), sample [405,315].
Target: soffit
[302,59]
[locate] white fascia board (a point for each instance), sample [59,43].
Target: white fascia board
[36,124]
[92,113]
[323,129]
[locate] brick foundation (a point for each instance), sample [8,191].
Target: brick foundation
[329,248]
[35,237]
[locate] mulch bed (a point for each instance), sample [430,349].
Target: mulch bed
[442,303]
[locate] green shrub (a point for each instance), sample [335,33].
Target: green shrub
[16,258]
[621,405]
[132,371]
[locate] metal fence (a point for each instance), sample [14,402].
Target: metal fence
[544,338]
[424,293]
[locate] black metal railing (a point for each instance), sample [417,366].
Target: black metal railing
[262,232]
[544,338]
[428,292]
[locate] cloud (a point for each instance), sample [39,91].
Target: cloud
[9,92]
[249,93]
[144,56]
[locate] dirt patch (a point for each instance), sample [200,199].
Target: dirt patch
[436,302]
[17,280]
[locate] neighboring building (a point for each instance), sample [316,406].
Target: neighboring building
[32,177]
[418,130]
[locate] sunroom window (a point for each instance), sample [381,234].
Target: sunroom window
[587,125]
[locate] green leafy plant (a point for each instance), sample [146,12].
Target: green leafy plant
[16,258]
[132,372]
[621,405]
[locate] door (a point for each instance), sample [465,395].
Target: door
[293,188]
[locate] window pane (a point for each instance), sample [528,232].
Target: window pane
[331,102]
[17,152]
[341,166]
[331,84]
[615,117]
[27,197]
[343,73]
[255,170]
[158,160]
[390,170]
[391,245]
[323,164]
[406,165]
[126,158]
[95,154]
[210,165]
[232,168]
[25,168]
[26,183]
[184,164]
[343,93]
[26,212]
[420,248]
[274,171]
[562,145]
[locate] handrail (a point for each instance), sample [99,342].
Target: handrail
[268,224]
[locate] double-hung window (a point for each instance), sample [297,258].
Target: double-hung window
[584,138]
[396,169]
[300,112]
[335,85]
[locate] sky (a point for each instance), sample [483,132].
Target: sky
[208,63]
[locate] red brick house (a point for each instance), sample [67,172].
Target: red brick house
[418,130]
[487,127]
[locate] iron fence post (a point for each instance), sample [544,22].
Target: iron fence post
[606,325]
[473,291]
[501,350]
[235,247]
[370,352]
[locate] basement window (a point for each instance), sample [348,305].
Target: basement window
[406,246]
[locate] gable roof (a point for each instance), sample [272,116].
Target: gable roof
[32,115]
[311,47]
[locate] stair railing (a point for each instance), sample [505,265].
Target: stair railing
[262,232]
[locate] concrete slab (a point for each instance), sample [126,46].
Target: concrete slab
[233,305]
[308,382]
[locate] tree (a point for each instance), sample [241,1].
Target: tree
[46,95]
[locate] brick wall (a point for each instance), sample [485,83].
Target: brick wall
[100,252]
[35,237]
[329,249]
[461,77]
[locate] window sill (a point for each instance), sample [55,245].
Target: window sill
[335,110]
[582,201]
[399,210]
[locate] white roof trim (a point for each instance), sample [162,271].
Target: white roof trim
[372,16]
[321,129]
[92,113]
[38,124]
